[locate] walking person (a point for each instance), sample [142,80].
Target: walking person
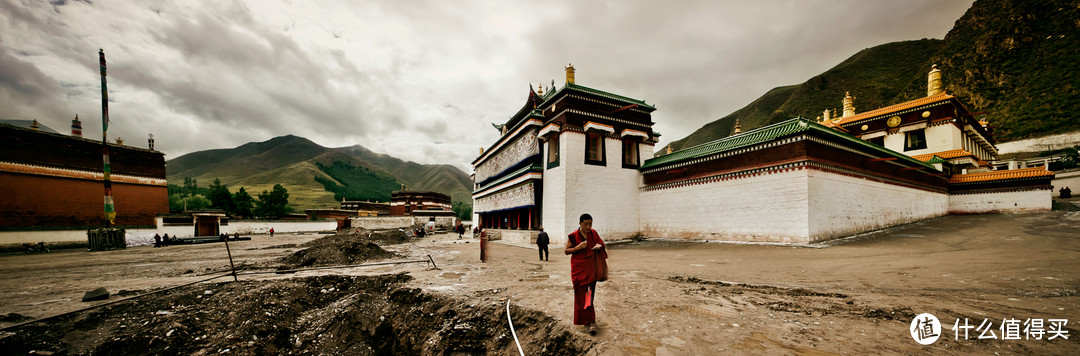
[588,265]
[271,232]
[157,240]
[542,244]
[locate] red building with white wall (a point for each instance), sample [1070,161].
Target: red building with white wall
[51,180]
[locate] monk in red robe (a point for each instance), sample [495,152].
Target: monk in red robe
[585,246]
[483,244]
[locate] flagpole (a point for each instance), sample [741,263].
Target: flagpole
[110,211]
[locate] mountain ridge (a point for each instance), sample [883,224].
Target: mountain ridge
[1011,59]
[317,176]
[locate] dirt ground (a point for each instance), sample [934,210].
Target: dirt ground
[855,296]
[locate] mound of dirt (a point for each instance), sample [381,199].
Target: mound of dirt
[313,315]
[344,249]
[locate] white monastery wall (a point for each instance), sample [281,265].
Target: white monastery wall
[608,193]
[1040,144]
[553,213]
[842,205]
[396,222]
[762,208]
[1069,179]
[1004,202]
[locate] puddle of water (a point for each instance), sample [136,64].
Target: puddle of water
[451,275]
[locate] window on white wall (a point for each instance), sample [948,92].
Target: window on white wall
[914,140]
[594,148]
[630,153]
[553,151]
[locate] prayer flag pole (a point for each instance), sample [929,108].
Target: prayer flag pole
[110,210]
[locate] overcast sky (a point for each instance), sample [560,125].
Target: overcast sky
[419,80]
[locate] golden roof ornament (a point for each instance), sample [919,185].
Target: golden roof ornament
[849,104]
[934,84]
[34,125]
[570,74]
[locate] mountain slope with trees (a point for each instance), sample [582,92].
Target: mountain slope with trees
[1013,59]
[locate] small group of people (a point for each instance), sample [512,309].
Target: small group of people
[460,230]
[588,265]
[1065,193]
[162,241]
[420,232]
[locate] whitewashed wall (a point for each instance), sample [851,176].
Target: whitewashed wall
[1069,179]
[553,207]
[1040,144]
[763,208]
[1007,202]
[842,205]
[608,193]
[395,222]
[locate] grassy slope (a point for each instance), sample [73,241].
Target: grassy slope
[874,76]
[294,162]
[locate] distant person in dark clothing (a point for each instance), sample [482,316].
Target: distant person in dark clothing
[165,240]
[157,240]
[542,244]
[1066,192]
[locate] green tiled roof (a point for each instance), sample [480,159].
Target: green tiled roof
[770,133]
[936,159]
[536,167]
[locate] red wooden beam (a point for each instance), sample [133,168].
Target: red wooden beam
[631,106]
[911,168]
[881,159]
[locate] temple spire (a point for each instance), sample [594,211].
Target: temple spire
[570,74]
[76,126]
[933,82]
[849,105]
[738,128]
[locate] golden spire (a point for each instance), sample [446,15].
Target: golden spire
[828,115]
[849,104]
[570,74]
[34,125]
[738,128]
[933,81]
[540,89]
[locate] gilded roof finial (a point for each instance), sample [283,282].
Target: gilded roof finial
[934,85]
[570,74]
[849,104]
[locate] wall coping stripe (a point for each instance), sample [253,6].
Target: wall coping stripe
[32,169]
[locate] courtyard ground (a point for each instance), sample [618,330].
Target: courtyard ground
[853,296]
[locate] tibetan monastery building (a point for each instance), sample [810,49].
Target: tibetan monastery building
[49,180]
[579,150]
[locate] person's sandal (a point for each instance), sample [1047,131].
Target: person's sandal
[592,329]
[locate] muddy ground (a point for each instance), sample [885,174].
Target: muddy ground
[855,296]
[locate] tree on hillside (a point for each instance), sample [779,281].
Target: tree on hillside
[243,203]
[462,211]
[191,186]
[273,204]
[179,202]
[221,198]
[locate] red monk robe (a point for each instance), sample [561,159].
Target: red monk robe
[583,272]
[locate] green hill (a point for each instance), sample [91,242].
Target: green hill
[1012,59]
[316,176]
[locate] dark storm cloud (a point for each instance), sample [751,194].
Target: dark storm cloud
[419,80]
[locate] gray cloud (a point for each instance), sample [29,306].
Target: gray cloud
[420,81]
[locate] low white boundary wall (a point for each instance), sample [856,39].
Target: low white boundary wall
[844,205]
[1027,201]
[768,207]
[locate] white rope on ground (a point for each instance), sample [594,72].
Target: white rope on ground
[511,322]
